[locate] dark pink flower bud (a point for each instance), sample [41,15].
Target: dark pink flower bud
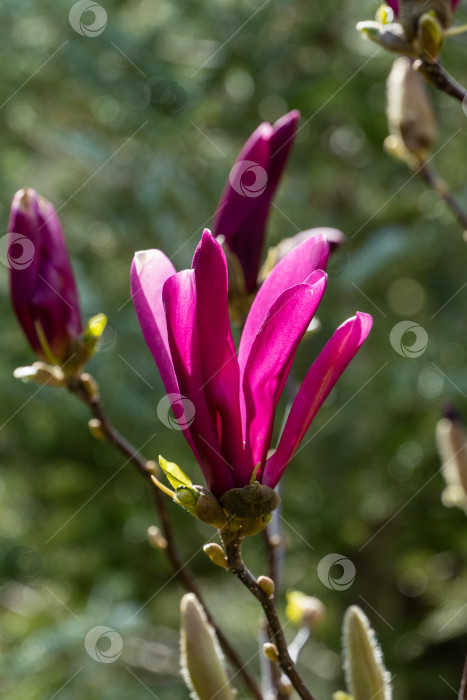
[42,285]
[244,206]
[394,5]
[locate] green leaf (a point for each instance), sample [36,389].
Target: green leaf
[174,474]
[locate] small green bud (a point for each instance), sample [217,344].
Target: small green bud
[267,585]
[186,496]
[201,658]
[95,428]
[208,508]
[216,554]
[270,652]
[367,678]
[41,373]
[430,37]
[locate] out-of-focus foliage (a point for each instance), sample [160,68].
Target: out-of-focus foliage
[131,133]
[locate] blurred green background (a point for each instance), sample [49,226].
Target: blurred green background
[86,121]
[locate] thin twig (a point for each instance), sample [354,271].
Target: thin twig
[435,75]
[432,179]
[77,387]
[237,567]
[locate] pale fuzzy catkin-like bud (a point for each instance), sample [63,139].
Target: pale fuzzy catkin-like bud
[202,661]
[451,439]
[411,119]
[367,678]
[216,554]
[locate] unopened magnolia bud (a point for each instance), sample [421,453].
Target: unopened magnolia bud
[270,652]
[411,118]
[201,657]
[90,385]
[155,538]
[216,554]
[451,439]
[267,585]
[41,373]
[367,678]
[95,428]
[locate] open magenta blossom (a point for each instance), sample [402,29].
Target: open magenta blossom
[185,321]
[42,285]
[244,205]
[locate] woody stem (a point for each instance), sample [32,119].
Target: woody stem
[232,547]
[77,387]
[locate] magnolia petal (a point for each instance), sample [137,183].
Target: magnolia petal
[307,257]
[221,374]
[179,296]
[271,357]
[319,381]
[149,271]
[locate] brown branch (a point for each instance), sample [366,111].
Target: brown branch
[432,179]
[232,546]
[435,75]
[77,387]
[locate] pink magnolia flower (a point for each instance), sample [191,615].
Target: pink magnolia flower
[184,319]
[42,285]
[244,205]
